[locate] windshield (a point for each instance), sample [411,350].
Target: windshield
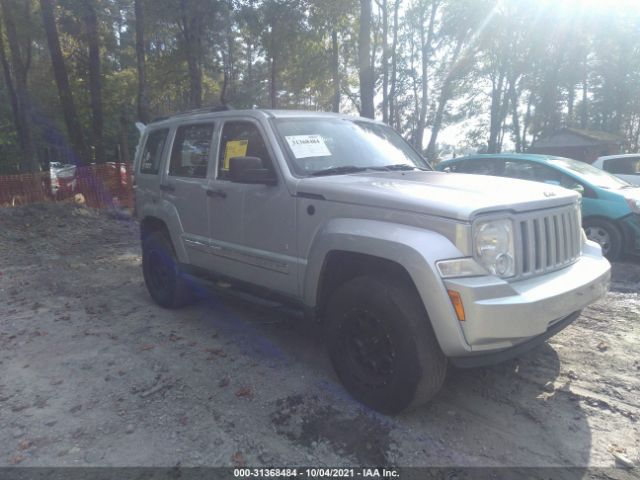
[591,174]
[338,146]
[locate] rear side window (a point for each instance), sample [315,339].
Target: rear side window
[241,139]
[191,148]
[483,166]
[152,153]
[623,166]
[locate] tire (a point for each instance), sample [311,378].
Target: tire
[607,235]
[162,276]
[382,345]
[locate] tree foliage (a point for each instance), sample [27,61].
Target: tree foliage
[76,74]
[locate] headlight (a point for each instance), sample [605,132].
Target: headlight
[634,205]
[494,247]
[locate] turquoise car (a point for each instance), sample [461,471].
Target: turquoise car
[610,205]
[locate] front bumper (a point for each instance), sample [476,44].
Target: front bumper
[501,315]
[492,358]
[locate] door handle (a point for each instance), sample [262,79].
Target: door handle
[167,188]
[216,193]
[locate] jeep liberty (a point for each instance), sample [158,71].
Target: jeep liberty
[408,269]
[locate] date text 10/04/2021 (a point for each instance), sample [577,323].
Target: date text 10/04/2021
[316,472]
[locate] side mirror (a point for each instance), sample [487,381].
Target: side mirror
[250,170]
[447,169]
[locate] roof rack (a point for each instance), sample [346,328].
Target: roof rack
[217,108]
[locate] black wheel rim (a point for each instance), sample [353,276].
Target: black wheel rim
[367,348]
[159,272]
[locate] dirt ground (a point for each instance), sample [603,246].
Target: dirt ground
[93,373]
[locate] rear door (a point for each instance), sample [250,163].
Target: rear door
[149,166]
[186,183]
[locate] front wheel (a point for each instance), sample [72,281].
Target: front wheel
[607,235]
[382,345]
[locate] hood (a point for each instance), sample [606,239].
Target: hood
[451,195]
[632,193]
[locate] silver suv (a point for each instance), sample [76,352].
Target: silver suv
[408,269]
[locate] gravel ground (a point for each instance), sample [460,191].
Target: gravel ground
[94,373]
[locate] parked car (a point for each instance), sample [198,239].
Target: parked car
[407,268]
[63,181]
[626,167]
[610,206]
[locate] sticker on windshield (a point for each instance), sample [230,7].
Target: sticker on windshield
[304,146]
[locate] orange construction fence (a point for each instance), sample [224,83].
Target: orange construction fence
[98,186]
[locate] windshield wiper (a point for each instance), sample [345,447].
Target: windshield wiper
[404,167]
[344,169]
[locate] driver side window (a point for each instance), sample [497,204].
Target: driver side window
[241,139]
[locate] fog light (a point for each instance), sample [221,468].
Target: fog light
[456,301]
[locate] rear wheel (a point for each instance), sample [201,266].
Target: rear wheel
[382,345]
[162,275]
[607,235]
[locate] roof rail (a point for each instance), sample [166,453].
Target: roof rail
[217,108]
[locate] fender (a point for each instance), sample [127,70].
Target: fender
[415,249]
[167,212]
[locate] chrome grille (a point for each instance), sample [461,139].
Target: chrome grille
[548,241]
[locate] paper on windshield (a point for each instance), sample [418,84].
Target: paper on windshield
[304,146]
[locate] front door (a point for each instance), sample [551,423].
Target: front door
[252,226]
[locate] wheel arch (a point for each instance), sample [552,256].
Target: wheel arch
[370,245]
[151,223]
[625,239]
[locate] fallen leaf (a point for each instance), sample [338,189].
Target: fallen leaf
[17,459]
[238,459]
[24,444]
[147,347]
[244,392]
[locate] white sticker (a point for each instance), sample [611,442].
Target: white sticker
[304,146]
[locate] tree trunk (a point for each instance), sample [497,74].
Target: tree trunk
[143,97]
[527,122]
[385,61]
[394,67]
[13,98]
[273,91]
[364,61]
[437,121]
[425,42]
[249,79]
[571,99]
[445,95]
[515,119]
[20,62]
[335,70]
[191,29]
[74,128]
[95,81]
[584,110]
[495,123]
